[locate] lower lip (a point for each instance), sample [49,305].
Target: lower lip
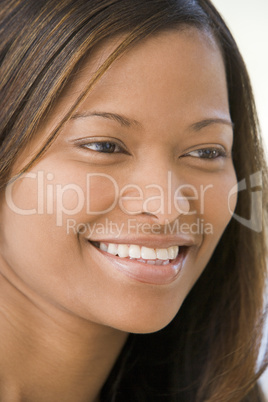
[146,273]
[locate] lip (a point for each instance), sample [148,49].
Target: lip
[142,272]
[151,242]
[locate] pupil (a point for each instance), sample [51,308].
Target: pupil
[208,153]
[108,147]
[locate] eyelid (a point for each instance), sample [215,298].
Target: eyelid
[223,152]
[85,140]
[219,150]
[82,142]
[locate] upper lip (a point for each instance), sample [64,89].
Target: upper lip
[156,241]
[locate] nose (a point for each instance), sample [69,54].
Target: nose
[157,194]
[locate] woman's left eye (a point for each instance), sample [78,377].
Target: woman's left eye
[104,147]
[207,153]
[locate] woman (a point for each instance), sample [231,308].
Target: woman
[131,268]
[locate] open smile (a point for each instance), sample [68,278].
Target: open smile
[156,266]
[146,255]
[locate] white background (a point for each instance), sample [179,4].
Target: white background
[248,21]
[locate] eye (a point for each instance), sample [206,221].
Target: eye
[106,147]
[207,153]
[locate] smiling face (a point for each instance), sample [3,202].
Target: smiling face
[116,222]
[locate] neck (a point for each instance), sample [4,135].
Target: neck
[47,354]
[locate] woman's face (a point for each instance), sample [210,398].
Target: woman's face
[142,168]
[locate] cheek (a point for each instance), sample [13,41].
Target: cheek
[82,195]
[217,196]
[219,203]
[39,252]
[23,196]
[78,204]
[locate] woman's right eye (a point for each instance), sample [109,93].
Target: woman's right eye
[106,147]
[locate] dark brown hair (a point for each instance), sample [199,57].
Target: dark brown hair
[209,351]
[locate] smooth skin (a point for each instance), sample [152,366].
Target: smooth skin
[65,307]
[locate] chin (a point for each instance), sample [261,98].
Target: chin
[145,324]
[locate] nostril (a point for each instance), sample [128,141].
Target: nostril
[148,214]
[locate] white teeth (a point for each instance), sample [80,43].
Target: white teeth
[134,251]
[162,253]
[173,252]
[103,247]
[145,254]
[123,250]
[148,253]
[112,249]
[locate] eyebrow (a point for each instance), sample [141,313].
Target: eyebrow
[127,122]
[124,121]
[208,122]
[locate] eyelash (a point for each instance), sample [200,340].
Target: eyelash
[113,147]
[209,153]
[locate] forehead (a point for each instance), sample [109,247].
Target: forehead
[172,52]
[154,51]
[180,69]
